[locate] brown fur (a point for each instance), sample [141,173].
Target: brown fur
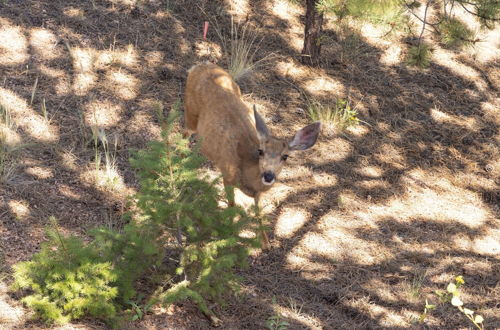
[214,110]
[234,137]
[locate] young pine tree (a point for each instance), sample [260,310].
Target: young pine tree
[174,197]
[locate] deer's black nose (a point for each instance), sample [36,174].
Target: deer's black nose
[268,176]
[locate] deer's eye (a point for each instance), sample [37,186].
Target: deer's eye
[261,153]
[284,157]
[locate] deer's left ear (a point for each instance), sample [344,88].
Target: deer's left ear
[306,137]
[260,125]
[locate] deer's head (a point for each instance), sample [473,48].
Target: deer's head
[273,152]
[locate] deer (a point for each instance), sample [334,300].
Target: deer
[235,138]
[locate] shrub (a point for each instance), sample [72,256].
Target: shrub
[67,280]
[178,211]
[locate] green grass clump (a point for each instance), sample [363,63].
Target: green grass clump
[455,33]
[420,56]
[335,117]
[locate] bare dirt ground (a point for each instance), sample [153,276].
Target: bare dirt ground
[366,225]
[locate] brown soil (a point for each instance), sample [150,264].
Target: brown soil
[366,225]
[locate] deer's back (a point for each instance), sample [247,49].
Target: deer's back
[223,122]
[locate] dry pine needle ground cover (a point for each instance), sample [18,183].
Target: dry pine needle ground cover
[366,225]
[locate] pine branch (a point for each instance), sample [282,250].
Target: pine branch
[476,14]
[424,23]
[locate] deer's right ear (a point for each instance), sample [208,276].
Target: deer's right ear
[262,130]
[306,137]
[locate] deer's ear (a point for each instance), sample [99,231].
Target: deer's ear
[306,137]
[262,130]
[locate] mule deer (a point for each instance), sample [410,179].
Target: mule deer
[235,138]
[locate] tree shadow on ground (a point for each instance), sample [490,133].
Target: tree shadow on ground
[402,138]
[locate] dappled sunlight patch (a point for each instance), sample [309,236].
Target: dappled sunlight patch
[9,136]
[31,122]
[209,49]
[391,155]
[463,121]
[108,181]
[295,172]
[446,59]
[491,112]
[487,50]
[300,260]
[373,184]
[325,179]
[85,78]
[10,315]
[83,83]
[335,239]
[294,312]
[83,59]
[102,113]
[238,8]
[324,86]
[127,57]
[279,193]
[486,245]
[40,172]
[154,58]
[19,208]
[124,2]
[68,160]
[332,150]
[62,86]
[74,12]
[289,221]
[392,55]
[142,125]
[357,130]
[430,196]
[13,45]
[370,171]
[44,43]
[69,192]
[124,85]
[292,69]
[284,9]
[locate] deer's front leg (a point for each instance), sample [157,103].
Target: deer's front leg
[229,188]
[264,239]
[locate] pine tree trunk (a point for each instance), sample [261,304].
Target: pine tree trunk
[312,34]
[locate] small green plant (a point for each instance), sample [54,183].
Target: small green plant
[452,296]
[415,287]
[335,117]
[139,310]
[275,322]
[454,33]
[420,55]
[67,280]
[428,307]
